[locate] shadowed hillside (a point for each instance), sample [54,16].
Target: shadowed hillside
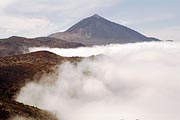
[18,45]
[16,71]
[11,108]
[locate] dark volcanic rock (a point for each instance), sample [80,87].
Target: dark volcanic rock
[98,30]
[16,71]
[11,108]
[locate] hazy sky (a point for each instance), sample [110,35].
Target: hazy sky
[32,18]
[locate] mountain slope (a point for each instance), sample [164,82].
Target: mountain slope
[98,30]
[11,109]
[18,45]
[16,71]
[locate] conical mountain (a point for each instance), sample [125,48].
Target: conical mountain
[96,30]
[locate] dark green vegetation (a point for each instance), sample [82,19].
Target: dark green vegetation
[16,71]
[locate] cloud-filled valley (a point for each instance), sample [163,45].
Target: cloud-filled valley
[127,81]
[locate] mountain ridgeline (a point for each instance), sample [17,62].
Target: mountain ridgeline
[19,45]
[96,30]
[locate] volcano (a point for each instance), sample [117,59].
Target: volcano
[96,30]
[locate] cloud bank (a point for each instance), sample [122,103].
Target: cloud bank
[129,82]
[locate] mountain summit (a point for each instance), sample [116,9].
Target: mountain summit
[96,16]
[96,30]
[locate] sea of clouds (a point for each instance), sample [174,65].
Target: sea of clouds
[125,82]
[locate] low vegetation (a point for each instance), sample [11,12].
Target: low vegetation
[16,71]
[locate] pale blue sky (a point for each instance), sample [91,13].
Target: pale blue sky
[32,18]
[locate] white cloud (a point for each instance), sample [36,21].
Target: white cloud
[24,26]
[12,25]
[4,3]
[42,17]
[131,81]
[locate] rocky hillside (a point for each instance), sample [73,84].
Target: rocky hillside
[18,45]
[10,109]
[96,30]
[16,71]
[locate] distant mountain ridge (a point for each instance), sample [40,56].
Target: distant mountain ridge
[96,30]
[18,45]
